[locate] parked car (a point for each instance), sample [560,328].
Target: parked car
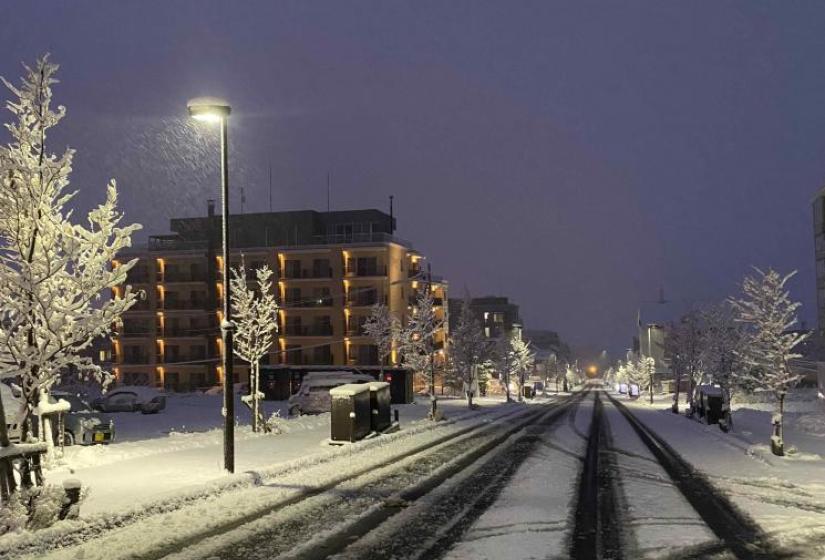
[313,395]
[131,399]
[82,425]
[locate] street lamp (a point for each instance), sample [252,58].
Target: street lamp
[212,109]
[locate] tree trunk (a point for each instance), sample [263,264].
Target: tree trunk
[690,394]
[678,377]
[777,439]
[7,484]
[255,400]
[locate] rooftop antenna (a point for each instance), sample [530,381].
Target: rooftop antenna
[270,187]
[328,188]
[243,198]
[392,218]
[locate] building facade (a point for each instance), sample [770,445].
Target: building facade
[331,268]
[497,315]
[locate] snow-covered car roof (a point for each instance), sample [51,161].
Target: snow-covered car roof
[142,391]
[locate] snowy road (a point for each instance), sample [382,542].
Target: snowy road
[584,476]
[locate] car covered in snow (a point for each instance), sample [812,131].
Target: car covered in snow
[313,395]
[81,424]
[146,400]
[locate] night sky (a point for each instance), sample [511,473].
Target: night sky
[573,156]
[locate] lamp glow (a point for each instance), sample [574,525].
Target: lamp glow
[208,109]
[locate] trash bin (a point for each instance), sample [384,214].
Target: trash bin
[380,418]
[401,386]
[528,392]
[350,412]
[713,407]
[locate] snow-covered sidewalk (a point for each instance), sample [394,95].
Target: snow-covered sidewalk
[172,459]
[181,519]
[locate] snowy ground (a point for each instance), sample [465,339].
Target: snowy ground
[178,517]
[157,455]
[170,485]
[533,516]
[784,495]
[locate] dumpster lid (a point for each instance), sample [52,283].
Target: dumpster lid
[377,385]
[349,390]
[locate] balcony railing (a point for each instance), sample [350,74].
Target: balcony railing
[322,273]
[135,332]
[182,277]
[365,300]
[323,301]
[141,277]
[184,357]
[308,330]
[192,331]
[183,304]
[366,271]
[132,358]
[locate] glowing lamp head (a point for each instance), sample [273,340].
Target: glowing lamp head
[208,109]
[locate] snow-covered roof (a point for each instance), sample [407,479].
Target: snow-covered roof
[349,390]
[142,391]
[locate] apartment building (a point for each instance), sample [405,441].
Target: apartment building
[497,315]
[331,267]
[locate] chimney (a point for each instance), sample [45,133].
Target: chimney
[392,220]
[210,208]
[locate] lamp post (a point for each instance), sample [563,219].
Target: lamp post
[211,109]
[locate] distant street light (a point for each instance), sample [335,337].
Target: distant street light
[212,109]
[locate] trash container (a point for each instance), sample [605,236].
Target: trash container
[713,407]
[380,418]
[350,412]
[401,386]
[528,392]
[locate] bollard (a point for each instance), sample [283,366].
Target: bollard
[396,415]
[70,509]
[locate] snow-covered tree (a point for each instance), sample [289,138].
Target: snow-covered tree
[417,343]
[522,361]
[513,360]
[571,377]
[684,343]
[383,328]
[254,311]
[767,309]
[723,344]
[55,273]
[468,350]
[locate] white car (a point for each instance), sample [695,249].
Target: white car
[313,396]
[146,400]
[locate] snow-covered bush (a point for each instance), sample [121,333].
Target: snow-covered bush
[32,508]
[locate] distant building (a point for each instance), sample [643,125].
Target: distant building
[330,267]
[496,314]
[545,343]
